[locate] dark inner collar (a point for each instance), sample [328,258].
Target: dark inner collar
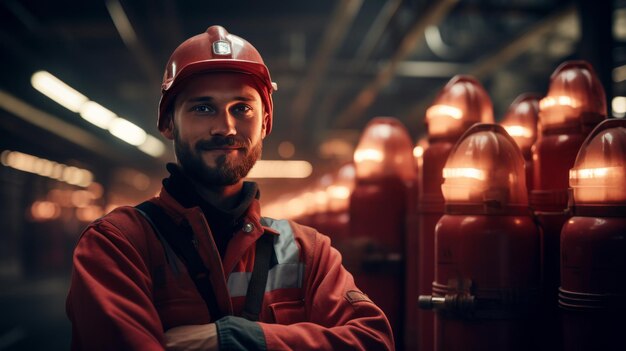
[182,189]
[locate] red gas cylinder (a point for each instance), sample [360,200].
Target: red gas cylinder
[487,276]
[461,103]
[385,176]
[574,105]
[593,244]
[333,221]
[520,122]
[411,262]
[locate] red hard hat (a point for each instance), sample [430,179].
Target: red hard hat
[213,50]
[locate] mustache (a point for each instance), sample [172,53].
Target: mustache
[220,141]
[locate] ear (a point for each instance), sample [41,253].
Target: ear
[266,121]
[168,132]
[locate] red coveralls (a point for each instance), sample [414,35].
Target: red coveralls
[124,293]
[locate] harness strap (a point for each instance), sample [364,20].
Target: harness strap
[181,241]
[258,280]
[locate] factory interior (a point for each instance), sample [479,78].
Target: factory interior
[467,158]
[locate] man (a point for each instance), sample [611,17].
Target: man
[182,270]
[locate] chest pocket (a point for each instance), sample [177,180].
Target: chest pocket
[288,312]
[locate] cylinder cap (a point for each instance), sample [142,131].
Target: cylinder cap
[599,173]
[575,97]
[462,102]
[521,118]
[485,167]
[385,149]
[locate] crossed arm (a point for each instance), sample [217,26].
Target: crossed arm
[110,305]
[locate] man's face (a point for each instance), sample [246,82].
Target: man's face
[218,127]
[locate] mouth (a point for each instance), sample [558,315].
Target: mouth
[223,149]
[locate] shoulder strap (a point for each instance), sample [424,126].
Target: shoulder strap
[181,241]
[258,280]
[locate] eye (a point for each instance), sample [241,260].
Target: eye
[242,110]
[203,108]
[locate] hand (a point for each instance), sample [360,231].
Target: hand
[192,337]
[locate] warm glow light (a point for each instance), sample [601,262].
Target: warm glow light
[618,105]
[443,110]
[601,184]
[473,173]
[418,151]
[381,131]
[368,155]
[321,198]
[518,131]
[46,168]
[97,114]
[562,100]
[281,169]
[286,149]
[592,173]
[81,198]
[44,210]
[58,91]
[295,207]
[152,146]
[96,190]
[339,192]
[275,210]
[127,131]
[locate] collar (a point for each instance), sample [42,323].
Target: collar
[180,187]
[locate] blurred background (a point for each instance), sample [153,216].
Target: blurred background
[80,85]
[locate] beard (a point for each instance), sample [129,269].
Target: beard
[227,170]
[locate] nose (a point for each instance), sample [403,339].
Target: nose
[224,124]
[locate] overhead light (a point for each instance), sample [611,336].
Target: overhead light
[127,131]
[281,169]
[97,114]
[58,91]
[46,168]
[152,146]
[618,105]
[619,74]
